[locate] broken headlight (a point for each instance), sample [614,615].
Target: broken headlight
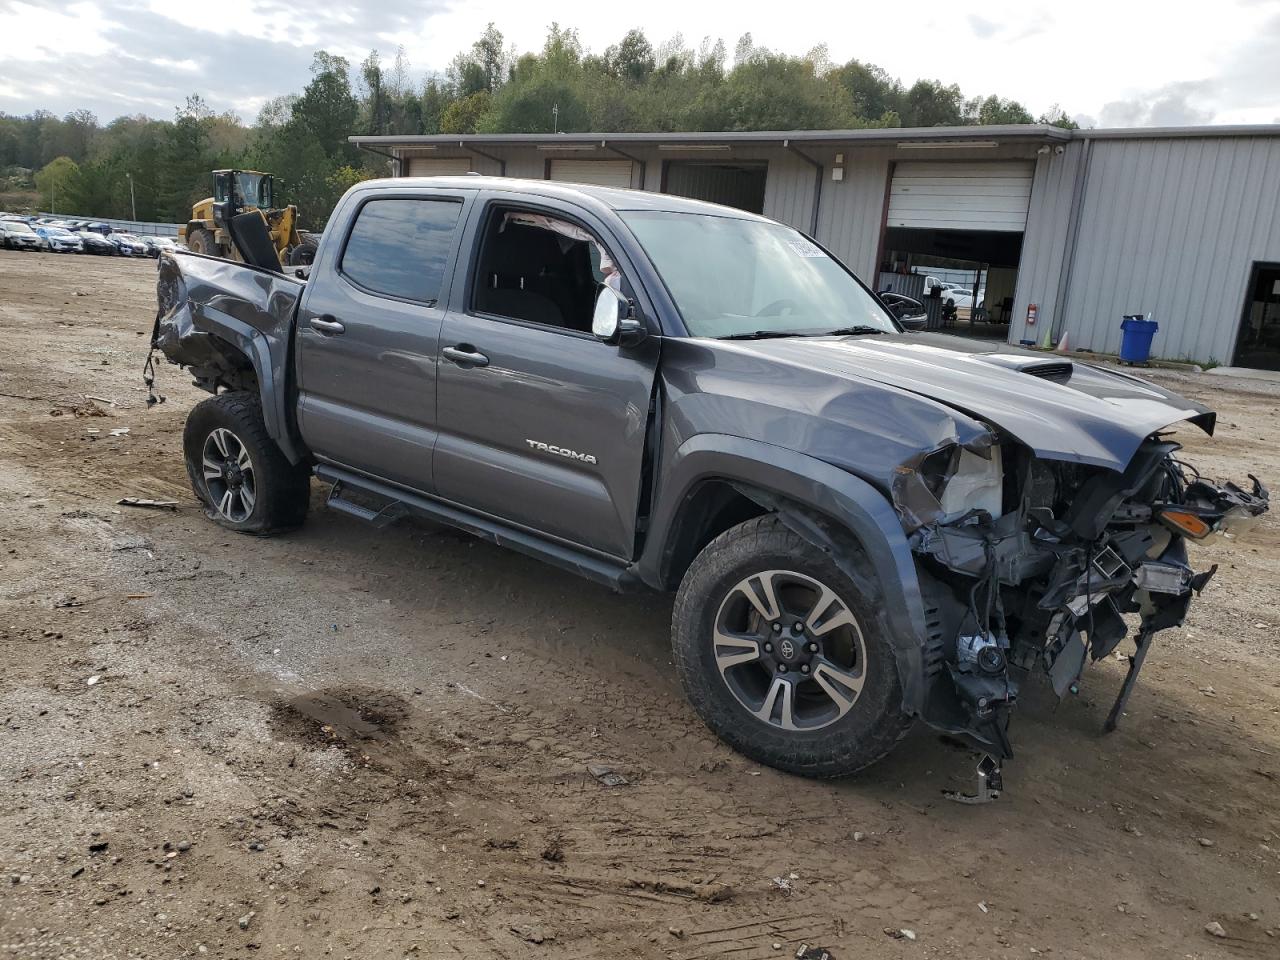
[950,482]
[976,484]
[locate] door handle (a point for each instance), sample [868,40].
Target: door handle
[327,325]
[465,355]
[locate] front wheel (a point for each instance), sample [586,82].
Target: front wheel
[784,656]
[238,472]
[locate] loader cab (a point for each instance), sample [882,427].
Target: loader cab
[235,191]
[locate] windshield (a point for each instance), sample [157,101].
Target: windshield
[129,237]
[254,188]
[17,226]
[732,277]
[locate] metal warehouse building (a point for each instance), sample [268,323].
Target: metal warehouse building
[1063,232]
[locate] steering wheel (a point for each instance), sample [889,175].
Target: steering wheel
[779,308]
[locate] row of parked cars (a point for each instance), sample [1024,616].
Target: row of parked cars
[78,236]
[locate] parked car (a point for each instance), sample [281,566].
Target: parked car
[59,240]
[103,228]
[157,245]
[128,245]
[96,243]
[861,526]
[19,235]
[910,313]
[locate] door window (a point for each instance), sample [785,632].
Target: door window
[542,269]
[399,247]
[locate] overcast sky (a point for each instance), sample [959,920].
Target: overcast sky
[1108,63]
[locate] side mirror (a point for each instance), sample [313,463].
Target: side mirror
[612,321]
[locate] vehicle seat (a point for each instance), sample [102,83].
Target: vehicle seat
[527,278]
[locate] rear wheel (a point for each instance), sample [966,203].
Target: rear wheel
[784,656]
[238,472]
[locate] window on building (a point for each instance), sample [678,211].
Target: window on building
[400,247]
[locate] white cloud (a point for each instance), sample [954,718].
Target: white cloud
[41,34]
[1098,58]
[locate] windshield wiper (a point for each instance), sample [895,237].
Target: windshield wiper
[764,335]
[852,331]
[775,334]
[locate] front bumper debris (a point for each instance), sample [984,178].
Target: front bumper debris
[1049,582]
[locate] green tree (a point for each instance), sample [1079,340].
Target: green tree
[58,183]
[463,116]
[632,59]
[928,103]
[327,107]
[483,67]
[994,110]
[874,93]
[1055,116]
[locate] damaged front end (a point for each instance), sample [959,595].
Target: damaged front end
[1030,561]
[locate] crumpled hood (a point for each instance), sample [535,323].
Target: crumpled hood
[1069,411]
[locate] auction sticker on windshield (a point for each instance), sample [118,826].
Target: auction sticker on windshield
[806,249]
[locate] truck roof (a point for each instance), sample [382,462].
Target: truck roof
[611,198]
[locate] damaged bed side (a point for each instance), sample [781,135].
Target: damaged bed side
[232,327]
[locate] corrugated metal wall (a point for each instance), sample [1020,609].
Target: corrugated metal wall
[852,209]
[1171,227]
[1045,241]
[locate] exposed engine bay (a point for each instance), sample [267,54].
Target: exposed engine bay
[1032,562]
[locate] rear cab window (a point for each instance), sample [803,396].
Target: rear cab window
[399,247]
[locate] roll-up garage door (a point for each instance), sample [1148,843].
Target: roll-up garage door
[438,166]
[602,173]
[961,196]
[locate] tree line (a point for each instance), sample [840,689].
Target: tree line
[158,168]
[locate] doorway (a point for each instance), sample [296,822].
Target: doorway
[738,185]
[965,279]
[1258,345]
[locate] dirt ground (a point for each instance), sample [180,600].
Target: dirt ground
[375,744]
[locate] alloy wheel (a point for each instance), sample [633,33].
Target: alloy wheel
[790,650]
[229,475]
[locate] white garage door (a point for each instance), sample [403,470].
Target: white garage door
[438,166]
[602,173]
[961,196]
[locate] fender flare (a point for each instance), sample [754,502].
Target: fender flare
[270,368]
[798,487]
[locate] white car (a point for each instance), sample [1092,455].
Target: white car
[962,297]
[128,245]
[59,240]
[18,235]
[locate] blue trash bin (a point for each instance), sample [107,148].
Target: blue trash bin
[1135,345]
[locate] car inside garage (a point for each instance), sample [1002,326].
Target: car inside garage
[964,220]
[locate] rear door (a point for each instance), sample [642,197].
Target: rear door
[542,424]
[369,330]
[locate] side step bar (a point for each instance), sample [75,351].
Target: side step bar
[392,511]
[589,564]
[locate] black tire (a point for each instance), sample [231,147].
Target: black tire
[264,493]
[831,742]
[201,241]
[304,254]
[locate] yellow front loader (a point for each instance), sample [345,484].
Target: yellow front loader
[241,191]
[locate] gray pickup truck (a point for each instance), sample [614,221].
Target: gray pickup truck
[862,526]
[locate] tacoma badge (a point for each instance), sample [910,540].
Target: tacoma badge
[560,451]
